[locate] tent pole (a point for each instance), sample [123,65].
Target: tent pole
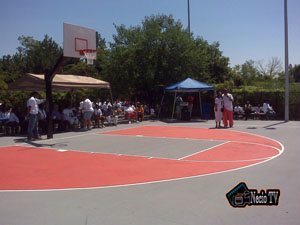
[200,104]
[111,96]
[161,104]
[174,104]
[71,93]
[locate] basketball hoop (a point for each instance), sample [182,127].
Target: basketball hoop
[89,54]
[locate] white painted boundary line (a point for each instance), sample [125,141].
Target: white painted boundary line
[203,150]
[161,181]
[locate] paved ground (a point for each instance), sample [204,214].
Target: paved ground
[199,200]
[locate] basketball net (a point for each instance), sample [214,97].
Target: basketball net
[90,55]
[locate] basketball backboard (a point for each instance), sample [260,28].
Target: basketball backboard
[78,39]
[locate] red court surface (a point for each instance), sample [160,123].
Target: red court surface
[30,168]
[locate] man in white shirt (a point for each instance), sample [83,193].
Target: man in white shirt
[228,109]
[88,111]
[32,112]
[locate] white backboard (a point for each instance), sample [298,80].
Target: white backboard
[78,38]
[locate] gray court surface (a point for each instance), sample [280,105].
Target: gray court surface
[198,200]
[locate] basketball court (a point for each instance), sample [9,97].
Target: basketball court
[150,173]
[153,173]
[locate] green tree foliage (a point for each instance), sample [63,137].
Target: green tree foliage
[295,71]
[161,52]
[38,56]
[246,73]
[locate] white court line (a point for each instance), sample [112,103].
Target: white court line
[195,139]
[203,150]
[155,157]
[61,150]
[167,180]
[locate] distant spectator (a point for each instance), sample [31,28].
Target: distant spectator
[238,109]
[139,112]
[98,117]
[258,109]
[97,102]
[117,106]
[268,110]
[190,100]
[129,112]
[110,116]
[178,102]
[13,122]
[69,117]
[248,110]
[105,105]
[57,117]
[152,113]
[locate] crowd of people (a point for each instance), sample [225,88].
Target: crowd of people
[224,110]
[85,116]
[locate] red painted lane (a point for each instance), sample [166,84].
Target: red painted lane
[24,168]
[235,151]
[195,133]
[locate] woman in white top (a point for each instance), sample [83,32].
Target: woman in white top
[218,106]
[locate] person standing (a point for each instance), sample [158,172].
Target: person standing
[88,111]
[178,106]
[228,108]
[139,112]
[190,100]
[32,112]
[219,105]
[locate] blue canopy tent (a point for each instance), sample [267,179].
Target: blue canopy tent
[187,85]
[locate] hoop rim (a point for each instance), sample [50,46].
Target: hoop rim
[82,51]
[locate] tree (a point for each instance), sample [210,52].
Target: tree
[160,52]
[271,70]
[295,70]
[247,71]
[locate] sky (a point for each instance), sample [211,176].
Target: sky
[245,29]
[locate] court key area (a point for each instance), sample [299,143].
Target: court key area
[130,156]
